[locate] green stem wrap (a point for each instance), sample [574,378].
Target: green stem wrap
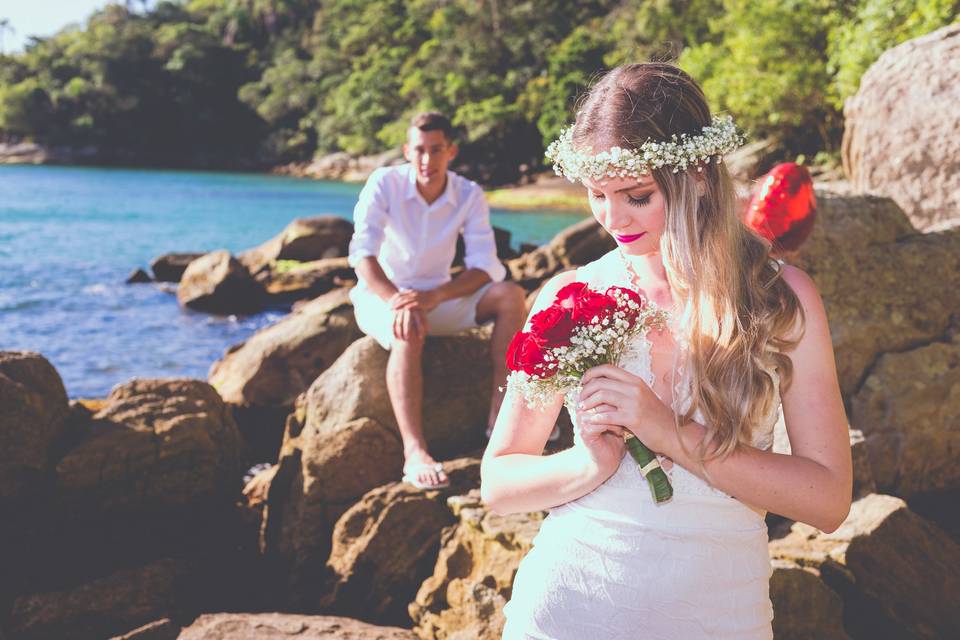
[656,478]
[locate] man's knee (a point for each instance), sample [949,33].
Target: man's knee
[509,296]
[410,344]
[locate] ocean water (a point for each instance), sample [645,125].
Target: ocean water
[70,236]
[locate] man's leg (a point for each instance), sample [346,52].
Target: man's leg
[405,387]
[505,303]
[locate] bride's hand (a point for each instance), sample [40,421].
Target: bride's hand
[624,399]
[603,443]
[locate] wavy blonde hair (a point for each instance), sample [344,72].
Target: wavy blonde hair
[739,316]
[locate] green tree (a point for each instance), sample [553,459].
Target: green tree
[875,26]
[766,63]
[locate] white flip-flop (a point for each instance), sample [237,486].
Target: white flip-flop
[411,471]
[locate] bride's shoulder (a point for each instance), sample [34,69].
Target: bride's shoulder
[601,270]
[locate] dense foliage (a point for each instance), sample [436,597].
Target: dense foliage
[261,82]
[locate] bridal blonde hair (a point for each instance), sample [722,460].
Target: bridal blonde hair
[739,316]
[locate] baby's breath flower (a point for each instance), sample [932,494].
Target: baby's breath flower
[717,138]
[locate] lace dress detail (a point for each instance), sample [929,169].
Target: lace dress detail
[614,564]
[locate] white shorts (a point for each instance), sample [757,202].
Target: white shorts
[375,317]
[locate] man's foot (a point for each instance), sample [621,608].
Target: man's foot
[423,472]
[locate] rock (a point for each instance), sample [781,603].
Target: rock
[909,411]
[385,546]
[872,270]
[102,608]
[303,240]
[33,412]
[456,386]
[262,377]
[342,440]
[218,283]
[158,444]
[344,167]
[863,481]
[473,576]
[170,266]
[574,246]
[803,606]
[164,629]
[896,572]
[290,281]
[898,139]
[273,626]
[255,492]
[138,276]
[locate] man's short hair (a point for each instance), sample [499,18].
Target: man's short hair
[433,121]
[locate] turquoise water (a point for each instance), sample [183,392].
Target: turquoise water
[70,236]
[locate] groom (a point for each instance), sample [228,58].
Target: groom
[406,225]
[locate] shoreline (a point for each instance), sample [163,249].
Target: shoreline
[546,192]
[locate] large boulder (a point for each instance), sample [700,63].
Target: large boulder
[104,607]
[262,377]
[289,281]
[473,576]
[33,412]
[899,137]
[576,245]
[909,411]
[386,545]
[303,240]
[872,270]
[163,629]
[896,572]
[218,283]
[803,606]
[342,440]
[157,444]
[275,626]
[170,266]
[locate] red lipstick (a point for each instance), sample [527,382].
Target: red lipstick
[629,239]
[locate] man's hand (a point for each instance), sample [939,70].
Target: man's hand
[409,324]
[421,300]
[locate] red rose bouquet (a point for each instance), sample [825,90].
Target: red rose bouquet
[582,329]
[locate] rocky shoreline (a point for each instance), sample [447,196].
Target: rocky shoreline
[131,510]
[130,516]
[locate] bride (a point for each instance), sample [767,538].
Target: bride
[747,339]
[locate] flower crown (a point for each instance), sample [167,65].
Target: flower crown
[717,138]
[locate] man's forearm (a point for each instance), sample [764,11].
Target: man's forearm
[463,285]
[378,282]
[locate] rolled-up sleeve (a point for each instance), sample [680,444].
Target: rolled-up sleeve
[479,240]
[369,219]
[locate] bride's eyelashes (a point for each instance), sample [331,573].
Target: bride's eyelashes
[633,202]
[639,202]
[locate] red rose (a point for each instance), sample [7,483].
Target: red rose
[584,303]
[592,304]
[553,326]
[525,354]
[567,296]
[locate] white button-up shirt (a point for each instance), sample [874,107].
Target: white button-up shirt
[415,242]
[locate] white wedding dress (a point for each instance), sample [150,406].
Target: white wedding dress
[615,565]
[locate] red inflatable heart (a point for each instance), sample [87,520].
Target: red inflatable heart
[783,208]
